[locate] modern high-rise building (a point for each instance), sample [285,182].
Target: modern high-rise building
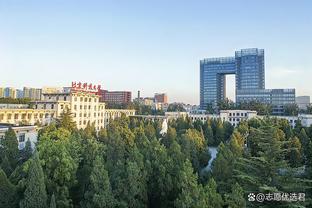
[248,66]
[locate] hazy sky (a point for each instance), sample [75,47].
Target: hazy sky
[152,46]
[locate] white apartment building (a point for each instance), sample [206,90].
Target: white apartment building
[23,133]
[236,116]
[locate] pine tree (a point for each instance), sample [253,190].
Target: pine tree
[6,166]
[10,147]
[35,195]
[236,198]
[27,151]
[8,197]
[208,134]
[99,193]
[213,198]
[220,133]
[192,194]
[267,171]
[66,120]
[52,201]
[294,155]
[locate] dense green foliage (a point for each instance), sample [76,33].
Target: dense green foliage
[15,100]
[128,164]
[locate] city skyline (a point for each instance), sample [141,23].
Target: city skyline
[151,47]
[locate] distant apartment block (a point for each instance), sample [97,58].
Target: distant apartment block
[303,102]
[117,97]
[161,98]
[32,93]
[9,92]
[1,92]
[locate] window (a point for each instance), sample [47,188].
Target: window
[65,98]
[1,116]
[75,107]
[9,116]
[52,106]
[89,99]
[16,116]
[86,100]
[21,138]
[62,106]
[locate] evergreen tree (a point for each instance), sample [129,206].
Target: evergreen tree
[10,147]
[52,201]
[66,120]
[35,194]
[6,166]
[294,154]
[208,134]
[267,171]
[192,194]
[27,151]
[213,198]
[136,195]
[99,193]
[220,133]
[8,197]
[236,198]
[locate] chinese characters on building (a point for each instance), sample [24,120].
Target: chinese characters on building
[85,87]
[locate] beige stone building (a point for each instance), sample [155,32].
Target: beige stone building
[85,107]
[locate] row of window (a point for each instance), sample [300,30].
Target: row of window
[23,116]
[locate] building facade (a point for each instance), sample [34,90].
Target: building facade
[117,97]
[84,105]
[9,92]
[303,102]
[161,98]
[32,93]
[23,133]
[249,70]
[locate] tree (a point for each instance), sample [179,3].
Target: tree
[191,194]
[99,193]
[235,199]
[59,166]
[220,133]
[291,110]
[66,120]
[6,166]
[174,107]
[208,134]
[136,192]
[52,201]
[266,169]
[214,199]
[294,155]
[27,151]
[226,104]
[10,148]
[35,194]
[8,197]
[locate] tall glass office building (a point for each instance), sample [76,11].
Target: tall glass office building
[248,66]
